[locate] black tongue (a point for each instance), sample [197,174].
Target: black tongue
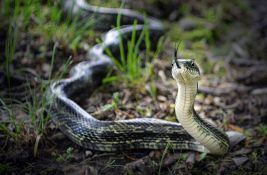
[175,59]
[176,62]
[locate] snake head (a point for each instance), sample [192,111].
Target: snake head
[184,70]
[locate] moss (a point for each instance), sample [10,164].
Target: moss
[171,118]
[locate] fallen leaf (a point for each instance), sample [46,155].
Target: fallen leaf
[235,128]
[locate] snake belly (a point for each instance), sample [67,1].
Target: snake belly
[91,133]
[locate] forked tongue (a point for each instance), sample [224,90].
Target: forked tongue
[176,58]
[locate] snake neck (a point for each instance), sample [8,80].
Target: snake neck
[210,136]
[185,100]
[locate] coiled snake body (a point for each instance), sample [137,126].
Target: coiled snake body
[192,133]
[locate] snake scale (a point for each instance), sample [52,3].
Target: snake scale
[192,133]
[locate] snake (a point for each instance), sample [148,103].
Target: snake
[191,132]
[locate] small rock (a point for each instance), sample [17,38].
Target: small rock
[171,159]
[162,98]
[46,69]
[88,153]
[239,160]
[235,138]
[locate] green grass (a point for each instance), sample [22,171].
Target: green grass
[114,105]
[12,127]
[262,130]
[10,50]
[48,21]
[130,66]
[105,3]
[36,109]
[67,156]
[168,146]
